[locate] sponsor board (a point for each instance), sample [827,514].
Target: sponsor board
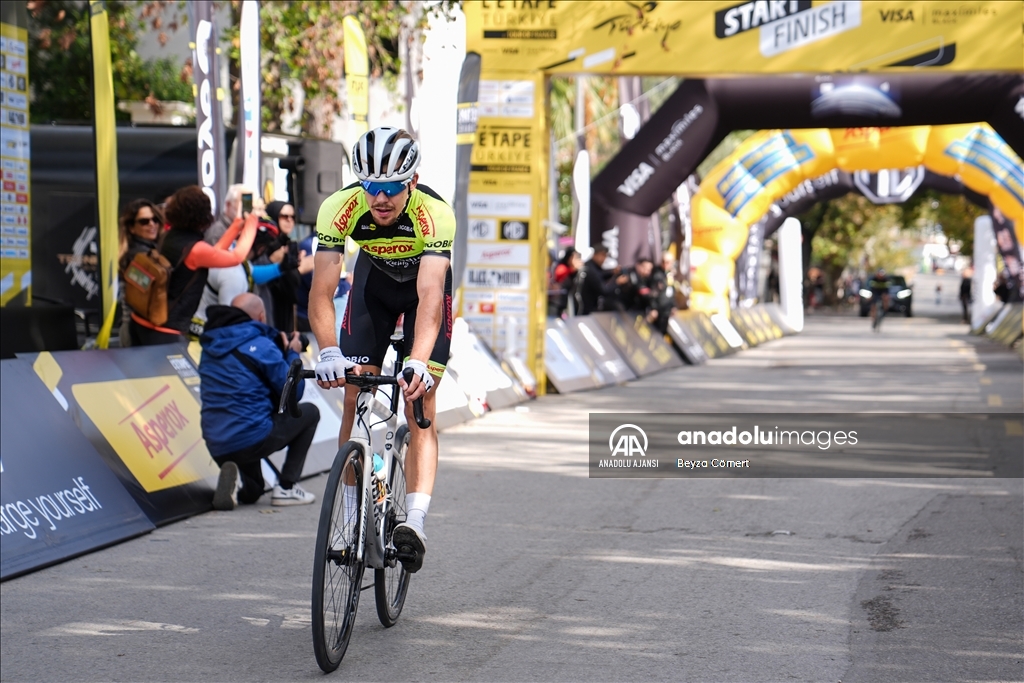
[153,425]
[751,37]
[508,205]
[498,254]
[58,499]
[498,278]
[483,229]
[515,230]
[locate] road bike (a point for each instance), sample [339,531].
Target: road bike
[880,308]
[363,502]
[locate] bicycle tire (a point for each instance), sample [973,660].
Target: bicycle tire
[391,584]
[337,580]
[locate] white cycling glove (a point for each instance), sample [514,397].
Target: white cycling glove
[332,365]
[420,368]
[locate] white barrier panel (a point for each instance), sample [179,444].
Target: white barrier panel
[479,372]
[791,273]
[568,368]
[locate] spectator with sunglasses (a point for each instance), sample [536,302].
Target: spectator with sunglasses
[188,212]
[283,291]
[405,232]
[138,230]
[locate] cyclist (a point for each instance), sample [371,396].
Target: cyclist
[879,286]
[405,233]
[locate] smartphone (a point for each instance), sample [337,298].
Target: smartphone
[246,204]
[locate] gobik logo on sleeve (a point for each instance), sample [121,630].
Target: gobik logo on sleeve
[628,443]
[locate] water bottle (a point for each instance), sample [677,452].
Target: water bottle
[380,492]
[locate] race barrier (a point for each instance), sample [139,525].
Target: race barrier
[567,369]
[575,360]
[478,370]
[591,351]
[139,408]
[58,497]
[699,327]
[643,349]
[589,337]
[1008,325]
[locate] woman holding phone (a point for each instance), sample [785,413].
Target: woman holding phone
[188,212]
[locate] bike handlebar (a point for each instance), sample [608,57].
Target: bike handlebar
[290,402]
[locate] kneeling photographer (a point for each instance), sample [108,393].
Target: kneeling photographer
[243,370]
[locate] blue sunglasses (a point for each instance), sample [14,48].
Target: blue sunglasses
[389,189]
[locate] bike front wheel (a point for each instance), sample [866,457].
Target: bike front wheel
[391,583]
[337,574]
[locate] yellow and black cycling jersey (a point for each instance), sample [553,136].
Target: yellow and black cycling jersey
[426,226]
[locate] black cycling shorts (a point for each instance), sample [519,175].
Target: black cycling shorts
[375,302]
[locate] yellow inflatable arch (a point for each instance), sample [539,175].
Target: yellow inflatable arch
[771,163]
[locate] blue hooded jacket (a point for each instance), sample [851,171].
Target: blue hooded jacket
[238,406]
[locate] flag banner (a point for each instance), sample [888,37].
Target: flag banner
[210,151]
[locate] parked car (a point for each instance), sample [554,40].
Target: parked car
[901,297]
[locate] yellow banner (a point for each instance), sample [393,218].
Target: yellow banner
[15,219]
[107,189]
[357,75]
[504,298]
[153,425]
[757,37]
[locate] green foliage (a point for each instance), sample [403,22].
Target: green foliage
[60,58]
[601,125]
[851,232]
[303,44]
[953,214]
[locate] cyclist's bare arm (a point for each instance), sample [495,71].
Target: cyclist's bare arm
[430,289]
[326,273]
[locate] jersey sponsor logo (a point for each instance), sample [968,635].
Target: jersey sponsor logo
[345,214]
[438,245]
[426,222]
[389,249]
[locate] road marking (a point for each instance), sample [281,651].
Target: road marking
[1013,428]
[985,380]
[995,400]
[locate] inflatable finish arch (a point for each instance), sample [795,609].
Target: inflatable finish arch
[770,164]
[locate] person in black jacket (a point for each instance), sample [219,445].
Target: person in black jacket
[597,286]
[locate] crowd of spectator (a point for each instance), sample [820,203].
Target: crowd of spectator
[239,284]
[579,288]
[214,259]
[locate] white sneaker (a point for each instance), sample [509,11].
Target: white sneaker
[296,495]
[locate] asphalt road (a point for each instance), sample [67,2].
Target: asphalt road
[535,572]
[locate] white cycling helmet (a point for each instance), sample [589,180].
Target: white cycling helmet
[385,155]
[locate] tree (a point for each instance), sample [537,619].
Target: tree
[953,213]
[851,232]
[303,46]
[60,57]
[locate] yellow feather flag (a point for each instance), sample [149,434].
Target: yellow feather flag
[107,191]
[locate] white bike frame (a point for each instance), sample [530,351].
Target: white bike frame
[367,405]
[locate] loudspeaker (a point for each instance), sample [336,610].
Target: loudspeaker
[315,173]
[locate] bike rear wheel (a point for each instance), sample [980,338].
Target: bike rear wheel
[337,574]
[391,583]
